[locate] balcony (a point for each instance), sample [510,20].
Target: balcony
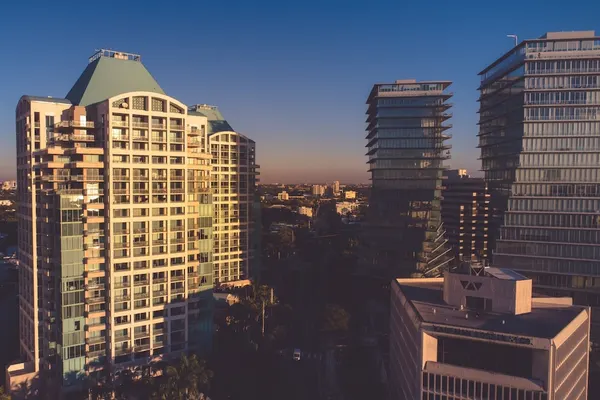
[177,240]
[96,353]
[177,178]
[73,124]
[159,293]
[141,177]
[138,296]
[120,123]
[122,351]
[143,347]
[122,298]
[140,230]
[120,177]
[160,279]
[140,138]
[95,339]
[159,228]
[140,243]
[121,245]
[124,138]
[177,278]
[177,290]
[176,127]
[177,191]
[95,300]
[158,125]
[139,124]
[177,228]
[159,242]
[193,143]
[141,282]
[121,285]
[122,338]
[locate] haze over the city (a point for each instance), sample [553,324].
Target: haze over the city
[295,80]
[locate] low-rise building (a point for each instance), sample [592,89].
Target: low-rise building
[479,334]
[345,207]
[9,185]
[308,211]
[283,196]
[350,195]
[318,190]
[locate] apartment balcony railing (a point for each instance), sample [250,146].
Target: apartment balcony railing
[159,293]
[140,230]
[96,353]
[141,177]
[121,285]
[140,138]
[177,127]
[160,279]
[119,123]
[177,177]
[122,351]
[95,300]
[95,339]
[177,290]
[177,278]
[159,125]
[173,139]
[177,190]
[122,298]
[143,347]
[177,240]
[140,243]
[137,124]
[73,124]
[121,245]
[141,282]
[138,296]
[122,338]
[159,228]
[159,177]
[177,228]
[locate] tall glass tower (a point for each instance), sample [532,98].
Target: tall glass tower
[406,150]
[540,148]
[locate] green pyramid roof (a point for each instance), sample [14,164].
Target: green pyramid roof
[107,77]
[216,122]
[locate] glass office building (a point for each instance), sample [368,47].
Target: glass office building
[540,148]
[406,134]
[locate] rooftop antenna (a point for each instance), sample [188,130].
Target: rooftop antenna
[514,37]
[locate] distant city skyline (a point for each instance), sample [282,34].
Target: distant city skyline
[295,80]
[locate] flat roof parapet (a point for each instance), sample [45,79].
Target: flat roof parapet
[121,55]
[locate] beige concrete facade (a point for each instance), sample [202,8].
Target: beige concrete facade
[115,234]
[439,348]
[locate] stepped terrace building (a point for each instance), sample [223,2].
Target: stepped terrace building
[405,141]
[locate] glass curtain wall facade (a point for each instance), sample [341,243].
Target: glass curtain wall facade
[406,150]
[540,148]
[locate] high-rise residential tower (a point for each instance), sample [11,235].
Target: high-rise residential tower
[540,148]
[405,140]
[466,214]
[115,225]
[233,184]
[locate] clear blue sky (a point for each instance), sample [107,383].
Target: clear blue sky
[293,76]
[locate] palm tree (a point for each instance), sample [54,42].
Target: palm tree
[185,381]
